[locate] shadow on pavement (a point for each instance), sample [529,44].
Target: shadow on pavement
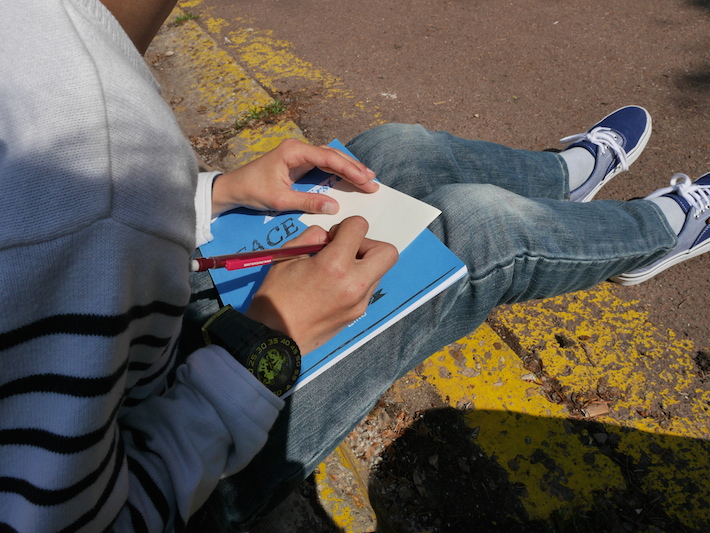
[699,79]
[445,474]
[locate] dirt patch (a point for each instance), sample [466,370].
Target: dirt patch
[580,404]
[702,361]
[212,144]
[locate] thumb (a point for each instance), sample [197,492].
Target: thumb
[309,202]
[311,235]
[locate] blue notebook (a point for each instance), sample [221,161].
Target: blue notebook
[424,269]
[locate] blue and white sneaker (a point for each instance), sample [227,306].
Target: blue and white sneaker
[615,142]
[694,237]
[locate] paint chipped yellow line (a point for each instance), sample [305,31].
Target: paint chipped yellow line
[272,62]
[271,59]
[216,82]
[334,505]
[216,25]
[249,144]
[343,495]
[187,4]
[534,440]
[481,373]
[614,341]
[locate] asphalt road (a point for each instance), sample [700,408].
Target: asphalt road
[520,72]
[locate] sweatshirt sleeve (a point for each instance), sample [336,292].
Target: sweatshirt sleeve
[192,435]
[203,207]
[96,433]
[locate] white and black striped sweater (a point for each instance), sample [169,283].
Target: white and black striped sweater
[98,216]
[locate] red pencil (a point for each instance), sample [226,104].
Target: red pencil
[252,259]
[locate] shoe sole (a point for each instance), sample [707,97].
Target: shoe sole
[631,279]
[631,157]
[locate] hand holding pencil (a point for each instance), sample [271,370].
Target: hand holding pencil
[313,298]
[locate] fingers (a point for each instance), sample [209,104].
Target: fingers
[350,169]
[307,202]
[311,235]
[383,251]
[351,245]
[347,237]
[329,160]
[376,258]
[348,242]
[266,183]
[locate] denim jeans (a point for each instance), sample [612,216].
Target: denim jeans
[506,214]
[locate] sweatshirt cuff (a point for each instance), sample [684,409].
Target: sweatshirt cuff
[203,207]
[245,405]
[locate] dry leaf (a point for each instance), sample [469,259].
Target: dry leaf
[463,466]
[418,485]
[595,409]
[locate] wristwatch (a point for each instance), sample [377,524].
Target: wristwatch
[274,358]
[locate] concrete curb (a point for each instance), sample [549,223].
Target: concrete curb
[208,90]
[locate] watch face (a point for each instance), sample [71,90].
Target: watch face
[271,356]
[276,362]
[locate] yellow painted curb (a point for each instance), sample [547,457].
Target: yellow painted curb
[250,143]
[214,91]
[343,494]
[216,84]
[565,463]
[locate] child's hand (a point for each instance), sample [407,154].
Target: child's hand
[266,183]
[313,298]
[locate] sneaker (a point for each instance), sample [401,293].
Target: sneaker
[615,142]
[694,237]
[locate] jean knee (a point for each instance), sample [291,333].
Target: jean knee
[480,219]
[389,141]
[480,200]
[401,154]
[388,138]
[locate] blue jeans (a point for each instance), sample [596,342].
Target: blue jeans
[505,213]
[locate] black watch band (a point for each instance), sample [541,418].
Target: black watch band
[273,357]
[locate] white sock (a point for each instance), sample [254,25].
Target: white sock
[580,164]
[673,212]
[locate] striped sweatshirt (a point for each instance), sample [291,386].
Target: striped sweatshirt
[101,207]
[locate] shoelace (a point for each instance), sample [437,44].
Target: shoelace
[697,196]
[604,138]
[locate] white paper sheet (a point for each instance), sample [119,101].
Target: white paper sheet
[394,217]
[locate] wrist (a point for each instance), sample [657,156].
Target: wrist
[228,192]
[220,203]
